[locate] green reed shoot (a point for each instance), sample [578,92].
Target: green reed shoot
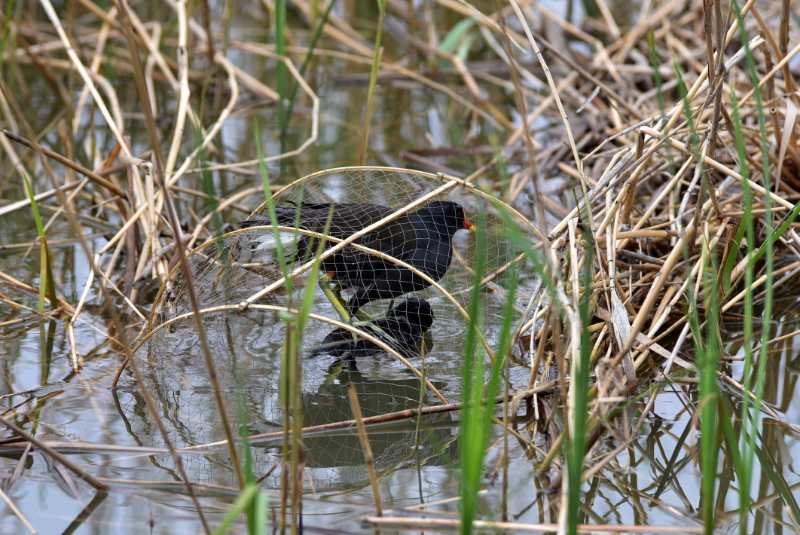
[757,254]
[270,203]
[476,417]
[240,505]
[750,413]
[312,45]
[708,353]
[47,288]
[694,139]
[522,241]
[291,383]
[256,506]
[706,345]
[580,373]
[377,53]
[503,346]
[296,379]
[281,72]
[745,466]
[256,509]
[472,430]
[730,261]
[291,370]
[655,61]
[211,199]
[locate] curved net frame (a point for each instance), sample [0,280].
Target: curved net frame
[390,346]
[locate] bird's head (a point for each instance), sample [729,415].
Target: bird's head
[450,215]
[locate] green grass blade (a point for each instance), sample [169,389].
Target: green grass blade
[373,80]
[750,413]
[281,71]
[730,260]
[655,62]
[503,348]
[238,507]
[270,203]
[708,362]
[579,378]
[523,243]
[312,45]
[745,472]
[778,481]
[456,35]
[212,199]
[706,344]
[765,249]
[472,430]
[47,290]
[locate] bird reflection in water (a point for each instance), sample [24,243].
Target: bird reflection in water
[404,329]
[435,435]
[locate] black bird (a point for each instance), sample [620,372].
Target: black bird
[402,329]
[423,239]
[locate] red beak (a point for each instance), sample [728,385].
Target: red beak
[469,225]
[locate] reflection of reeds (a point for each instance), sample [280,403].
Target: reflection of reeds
[377,54]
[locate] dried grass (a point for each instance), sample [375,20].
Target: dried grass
[660,194]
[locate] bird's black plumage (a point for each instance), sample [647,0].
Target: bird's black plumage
[345,220]
[402,329]
[422,238]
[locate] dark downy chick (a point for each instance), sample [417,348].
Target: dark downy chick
[403,329]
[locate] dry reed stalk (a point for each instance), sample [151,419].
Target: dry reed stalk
[27,288]
[16,512]
[446,524]
[77,230]
[91,175]
[639,171]
[366,60]
[204,449]
[149,402]
[177,233]
[56,456]
[365,448]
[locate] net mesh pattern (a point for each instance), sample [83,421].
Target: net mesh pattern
[405,311]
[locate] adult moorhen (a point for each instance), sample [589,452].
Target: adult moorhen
[423,239]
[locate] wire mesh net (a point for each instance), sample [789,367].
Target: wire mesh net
[392,305]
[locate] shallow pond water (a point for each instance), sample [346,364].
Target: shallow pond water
[654,481]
